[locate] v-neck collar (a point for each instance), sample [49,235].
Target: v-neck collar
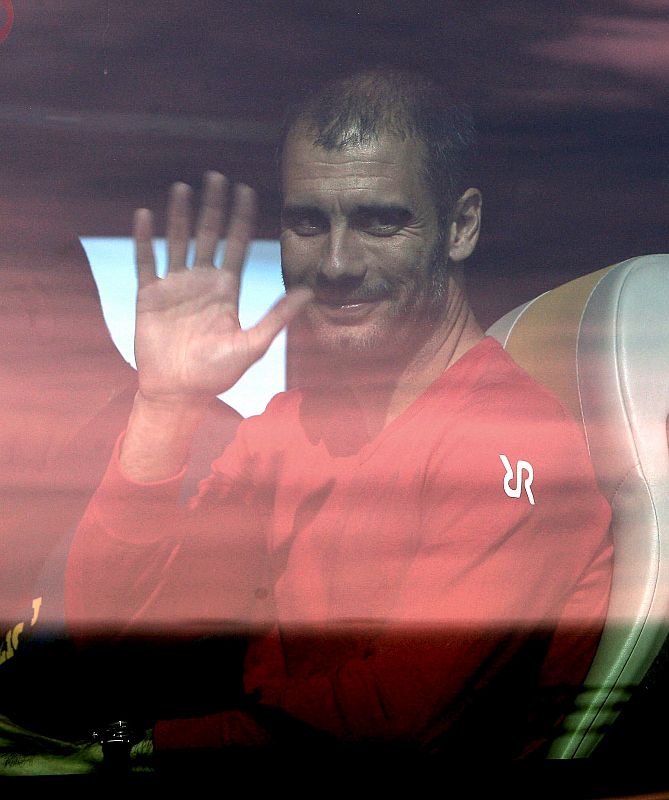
[451,380]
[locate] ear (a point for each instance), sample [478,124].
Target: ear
[463,233]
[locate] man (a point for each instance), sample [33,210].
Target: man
[398,592]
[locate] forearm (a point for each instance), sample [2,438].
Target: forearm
[410,684]
[159,436]
[141,557]
[126,523]
[400,696]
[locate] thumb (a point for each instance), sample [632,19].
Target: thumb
[282,312]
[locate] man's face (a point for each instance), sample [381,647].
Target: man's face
[360,228]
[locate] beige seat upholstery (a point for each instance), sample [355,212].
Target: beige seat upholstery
[601,342]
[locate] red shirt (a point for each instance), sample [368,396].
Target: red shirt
[445,580]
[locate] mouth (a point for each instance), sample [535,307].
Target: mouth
[347,309]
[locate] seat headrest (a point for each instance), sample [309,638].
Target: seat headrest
[601,343]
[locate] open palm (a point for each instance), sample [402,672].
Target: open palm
[188,340]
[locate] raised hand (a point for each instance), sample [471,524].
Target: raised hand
[189,345]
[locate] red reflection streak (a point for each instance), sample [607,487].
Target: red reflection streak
[634,46]
[9,22]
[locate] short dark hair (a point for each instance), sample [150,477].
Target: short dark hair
[356,109]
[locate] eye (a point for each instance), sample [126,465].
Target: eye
[304,222]
[381,222]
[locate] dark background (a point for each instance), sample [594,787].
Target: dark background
[103,104]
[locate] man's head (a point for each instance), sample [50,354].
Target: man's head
[373,209]
[356,110]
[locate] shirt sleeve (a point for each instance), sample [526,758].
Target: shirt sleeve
[173,571]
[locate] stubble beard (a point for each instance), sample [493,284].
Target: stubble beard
[404,329]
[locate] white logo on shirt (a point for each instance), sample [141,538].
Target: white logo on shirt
[521,466]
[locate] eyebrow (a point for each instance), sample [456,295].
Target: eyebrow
[299,208]
[361,208]
[387,208]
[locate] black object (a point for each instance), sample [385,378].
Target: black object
[117,740]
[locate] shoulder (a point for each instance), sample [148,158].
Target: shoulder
[502,400]
[276,421]
[259,437]
[507,427]
[512,459]
[496,380]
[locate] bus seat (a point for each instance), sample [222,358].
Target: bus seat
[601,343]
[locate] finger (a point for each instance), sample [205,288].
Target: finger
[261,336]
[240,230]
[178,226]
[144,258]
[209,221]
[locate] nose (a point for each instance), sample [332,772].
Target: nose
[342,256]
